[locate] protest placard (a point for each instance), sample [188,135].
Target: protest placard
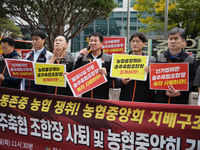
[50,74]
[164,74]
[129,66]
[20,68]
[24,52]
[114,45]
[85,78]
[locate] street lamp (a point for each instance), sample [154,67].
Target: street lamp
[166,19]
[128,21]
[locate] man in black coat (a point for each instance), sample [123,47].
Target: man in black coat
[8,45]
[95,43]
[175,54]
[135,90]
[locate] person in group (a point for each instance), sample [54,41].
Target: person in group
[95,43]
[135,90]
[176,54]
[197,80]
[60,56]
[8,45]
[38,55]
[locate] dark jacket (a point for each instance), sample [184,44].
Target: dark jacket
[183,57]
[102,91]
[197,78]
[43,58]
[9,81]
[68,61]
[135,90]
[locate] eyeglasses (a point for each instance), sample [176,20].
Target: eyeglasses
[137,41]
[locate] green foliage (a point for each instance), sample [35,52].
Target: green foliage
[3,10]
[68,17]
[8,28]
[181,13]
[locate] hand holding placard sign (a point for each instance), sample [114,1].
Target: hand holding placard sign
[164,74]
[50,74]
[20,68]
[85,78]
[129,66]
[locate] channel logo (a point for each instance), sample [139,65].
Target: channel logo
[47,148]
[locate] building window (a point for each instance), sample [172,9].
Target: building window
[119,2]
[115,26]
[132,14]
[133,23]
[132,3]
[116,15]
[89,29]
[101,26]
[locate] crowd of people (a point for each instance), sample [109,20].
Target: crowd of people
[131,90]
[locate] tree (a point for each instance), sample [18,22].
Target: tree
[3,10]
[68,17]
[181,13]
[8,28]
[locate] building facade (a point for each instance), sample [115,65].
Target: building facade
[114,26]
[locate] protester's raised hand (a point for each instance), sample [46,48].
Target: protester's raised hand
[2,77]
[57,51]
[65,73]
[103,71]
[172,92]
[147,69]
[83,52]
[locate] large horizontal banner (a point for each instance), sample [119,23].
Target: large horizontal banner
[39,121]
[50,74]
[129,66]
[20,68]
[85,78]
[114,45]
[164,74]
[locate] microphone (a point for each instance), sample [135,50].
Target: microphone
[81,56]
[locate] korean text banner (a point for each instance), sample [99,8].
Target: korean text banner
[129,66]
[20,68]
[85,78]
[114,45]
[24,52]
[39,121]
[50,74]
[164,74]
